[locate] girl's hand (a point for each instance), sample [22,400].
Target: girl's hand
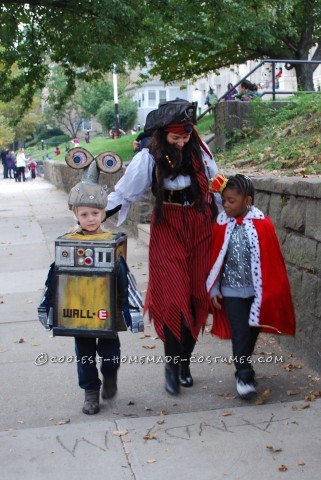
[216,302]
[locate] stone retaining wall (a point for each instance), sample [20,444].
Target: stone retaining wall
[294,206]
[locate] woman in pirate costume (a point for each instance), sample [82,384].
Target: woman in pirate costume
[178,167]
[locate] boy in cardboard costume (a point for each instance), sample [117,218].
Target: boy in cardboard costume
[90,293]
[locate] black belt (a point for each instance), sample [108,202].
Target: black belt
[180,197]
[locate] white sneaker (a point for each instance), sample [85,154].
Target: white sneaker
[245,390]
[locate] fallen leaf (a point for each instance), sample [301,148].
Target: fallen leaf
[126,440]
[226,414]
[62,422]
[120,433]
[301,462]
[131,403]
[282,468]
[147,409]
[149,436]
[263,397]
[226,396]
[316,394]
[299,170]
[274,450]
[291,392]
[152,460]
[290,366]
[21,340]
[150,347]
[163,412]
[160,422]
[303,406]
[309,398]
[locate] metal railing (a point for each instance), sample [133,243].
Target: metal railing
[274,90]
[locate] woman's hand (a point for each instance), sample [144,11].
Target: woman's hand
[216,302]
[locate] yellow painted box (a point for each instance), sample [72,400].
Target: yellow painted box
[86,302]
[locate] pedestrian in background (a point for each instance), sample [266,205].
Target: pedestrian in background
[21,162]
[10,163]
[4,163]
[230,96]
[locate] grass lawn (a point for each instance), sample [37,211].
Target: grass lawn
[123,146]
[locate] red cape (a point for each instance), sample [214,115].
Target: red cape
[277,312]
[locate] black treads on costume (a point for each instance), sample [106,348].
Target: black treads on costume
[48,294]
[122,282]
[127,286]
[109,213]
[45,309]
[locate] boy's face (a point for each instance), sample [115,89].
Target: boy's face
[235,204]
[89,219]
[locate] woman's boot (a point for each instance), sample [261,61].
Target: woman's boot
[172,349]
[187,347]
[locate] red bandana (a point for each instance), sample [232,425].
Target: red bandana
[180,128]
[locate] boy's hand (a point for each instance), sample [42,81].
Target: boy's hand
[216,302]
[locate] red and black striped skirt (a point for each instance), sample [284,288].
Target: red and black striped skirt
[179,262]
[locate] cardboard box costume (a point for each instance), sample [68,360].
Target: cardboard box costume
[90,291]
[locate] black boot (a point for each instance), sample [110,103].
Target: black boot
[171,379]
[109,386]
[172,349]
[91,404]
[184,375]
[187,347]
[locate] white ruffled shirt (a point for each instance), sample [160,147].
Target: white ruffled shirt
[138,178]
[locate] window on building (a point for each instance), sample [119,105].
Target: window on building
[152,98]
[162,96]
[87,124]
[83,125]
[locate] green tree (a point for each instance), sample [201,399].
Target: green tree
[93,95]
[87,37]
[194,38]
[127,114]
[23,125]
[59,112]
[6,133]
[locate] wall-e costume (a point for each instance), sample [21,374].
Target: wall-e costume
[90,291]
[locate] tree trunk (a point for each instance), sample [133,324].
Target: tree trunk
[304,76]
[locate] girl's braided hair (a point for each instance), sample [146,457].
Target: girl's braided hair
[242,184]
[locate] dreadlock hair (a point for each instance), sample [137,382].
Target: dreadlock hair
[242,184]
[171,162]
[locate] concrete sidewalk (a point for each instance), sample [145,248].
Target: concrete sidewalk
[206,432]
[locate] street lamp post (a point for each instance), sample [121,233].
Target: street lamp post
[116,131]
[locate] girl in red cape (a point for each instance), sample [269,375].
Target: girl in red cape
[248,282]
